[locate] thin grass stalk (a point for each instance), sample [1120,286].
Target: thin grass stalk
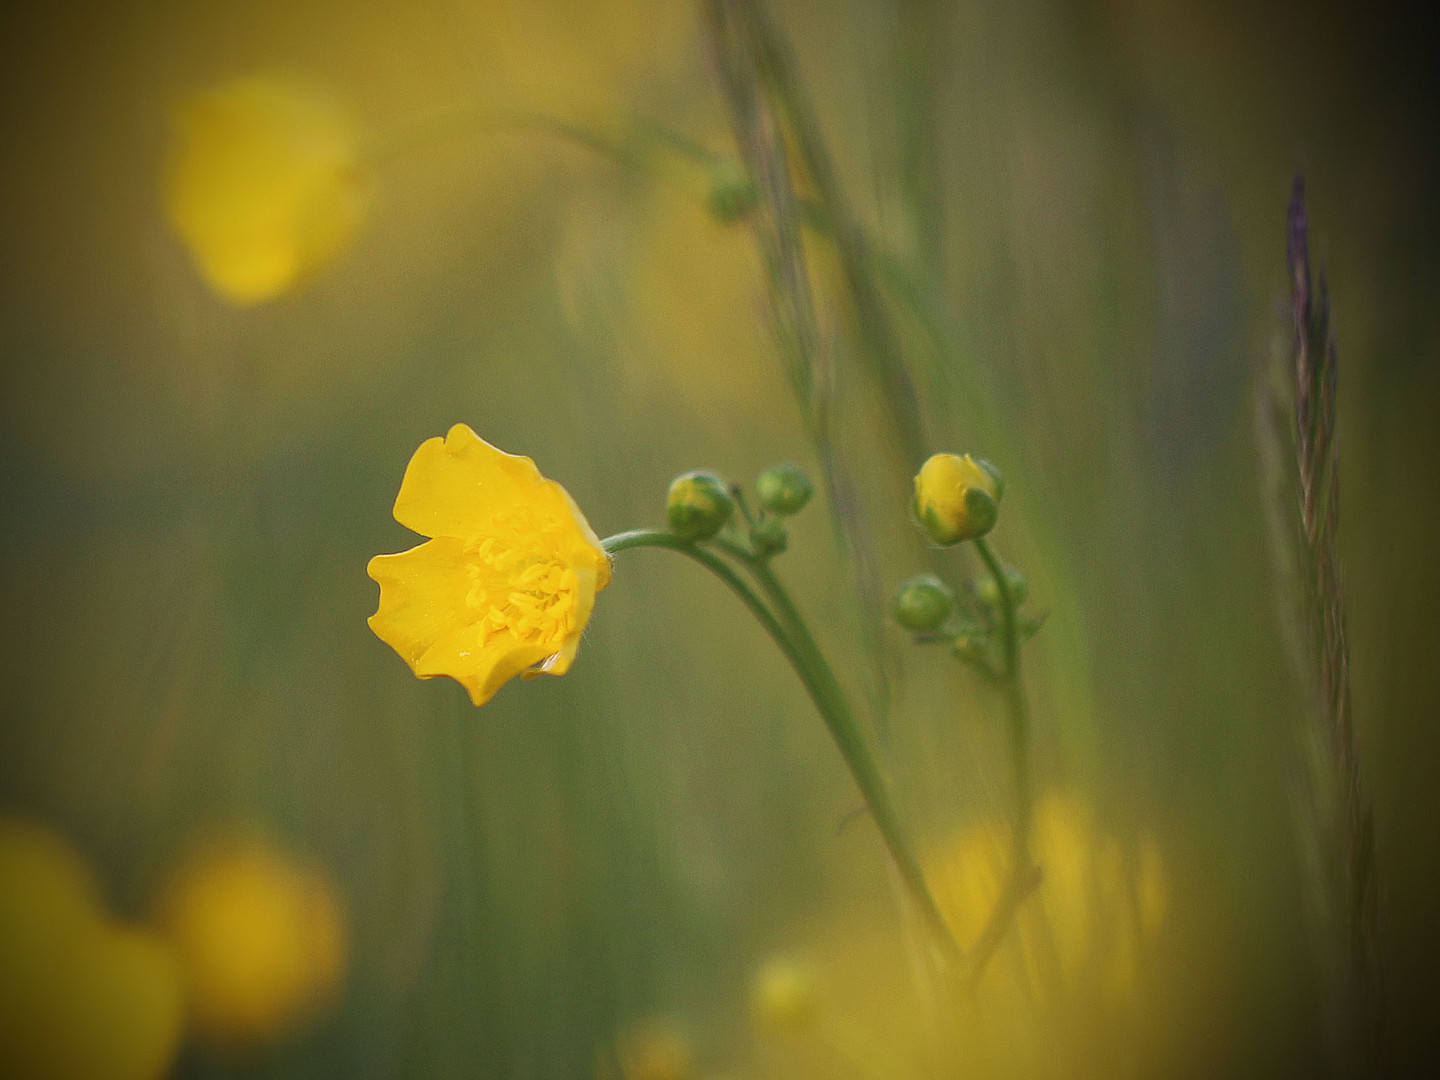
[809,358]
[1301,454]
[776,68]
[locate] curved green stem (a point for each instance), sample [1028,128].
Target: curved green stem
[844,729]
[1014,689]
[793,636]
[717,566]
[1024,874]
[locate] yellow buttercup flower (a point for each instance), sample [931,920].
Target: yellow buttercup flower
[957,498]
[264,185]
[508,579]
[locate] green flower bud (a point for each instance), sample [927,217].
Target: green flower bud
[957,498]
[1029,625]
[732,193]
[698,505]
[784,489]
[923,603]
[990,592]
[997,478]
[769,536]
[973,645]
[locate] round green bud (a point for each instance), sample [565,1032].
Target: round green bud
[989,591]
[957,498]
[769,536]
[698,505]
[923,603]
[732,193]
[784,489]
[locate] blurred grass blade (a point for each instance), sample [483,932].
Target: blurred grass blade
[1299,445]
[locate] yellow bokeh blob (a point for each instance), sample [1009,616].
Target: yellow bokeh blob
[574,60]
[702,320]
[81,997]
[654,1051]
[264,185]
[700,304]
[784,996]
[260,937]
[1086,925]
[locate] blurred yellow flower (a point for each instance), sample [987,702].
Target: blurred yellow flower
[698,330]
[264,185]
[260,937]
[699,288]
[508,579]
[1096,907]
[81,997]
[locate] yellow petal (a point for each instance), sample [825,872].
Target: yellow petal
[942,497]
[482,670]
[453,485]
[423,595]
[588,582]
[584,549]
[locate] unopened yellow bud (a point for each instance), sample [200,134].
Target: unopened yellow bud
[957,498]
[698,505]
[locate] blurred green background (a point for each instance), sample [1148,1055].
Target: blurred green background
[584,877]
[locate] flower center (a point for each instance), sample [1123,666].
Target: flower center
[519,587]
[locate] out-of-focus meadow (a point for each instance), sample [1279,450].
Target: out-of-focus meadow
[239,839]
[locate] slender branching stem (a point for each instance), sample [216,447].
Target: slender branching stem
[635,538]
[1024,875]
[787,627]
